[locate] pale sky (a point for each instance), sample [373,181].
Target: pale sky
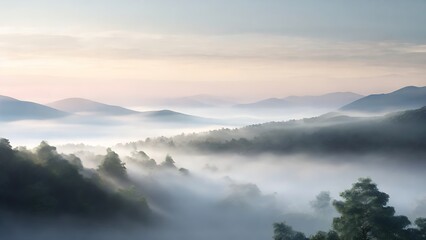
[125,51]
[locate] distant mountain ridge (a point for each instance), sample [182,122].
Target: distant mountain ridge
[330,100]
[410,97]
[197,101]
[399,132]
[12,109]
[81,105]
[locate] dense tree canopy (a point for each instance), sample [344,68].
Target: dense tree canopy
[364,215]
[44,182]
[113,166]
[284,232]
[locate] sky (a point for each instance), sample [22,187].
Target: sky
[127,51]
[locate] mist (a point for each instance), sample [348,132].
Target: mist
[223,196]
[109,130]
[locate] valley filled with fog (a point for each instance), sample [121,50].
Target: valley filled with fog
[108,130]
[212,120]
[222,196]
[98,171]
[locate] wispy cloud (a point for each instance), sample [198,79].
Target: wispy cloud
[133,45]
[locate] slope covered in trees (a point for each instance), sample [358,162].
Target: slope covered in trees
[330,133]
[43,182]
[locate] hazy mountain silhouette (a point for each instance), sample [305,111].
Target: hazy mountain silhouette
[405,98]
[331,101]
[174,117]
[413,116]
[81,105]
[333,133]
[12,109]
[197,101]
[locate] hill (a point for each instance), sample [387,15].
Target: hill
[402,132]
[329,101]
[197,101]
[81,105]
[12,109]
[173,117]
[402,99]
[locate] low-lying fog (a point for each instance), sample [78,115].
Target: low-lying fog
[218,196]
[236,197]
[108,130]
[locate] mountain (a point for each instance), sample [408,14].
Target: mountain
[333,133]
[12,109]
[405,98]
[80,105]
[410,116]
[330,101]
[197,101]
[267,103]
[174,117]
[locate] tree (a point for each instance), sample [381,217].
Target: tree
[325,236]
[113,166]
[168,162]
[284,232]
[322,202]
[365,214]
[420,231]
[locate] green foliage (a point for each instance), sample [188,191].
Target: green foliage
[403,133]
[322,202]
[46,183]
[420,232]
[112,166]
[365,214]
[168,162]
[284,232]
[143,160]
[319,236]
[331,235]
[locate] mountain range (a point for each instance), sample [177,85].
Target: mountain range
[333,133]
[197,101]
[12,109]
[411,97]
[327,101]
[80,105]
[405,98]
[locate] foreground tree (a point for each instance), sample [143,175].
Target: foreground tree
[332,235]
[284,232]
[365,214]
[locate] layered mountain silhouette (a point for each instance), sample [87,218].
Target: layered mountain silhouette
[81,110]
[197,101]
[403,99]
[174,117]
[12,109]
[81,105]
[333,133]
[330,101]
[85,106]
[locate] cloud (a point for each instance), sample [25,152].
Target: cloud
[124,45]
